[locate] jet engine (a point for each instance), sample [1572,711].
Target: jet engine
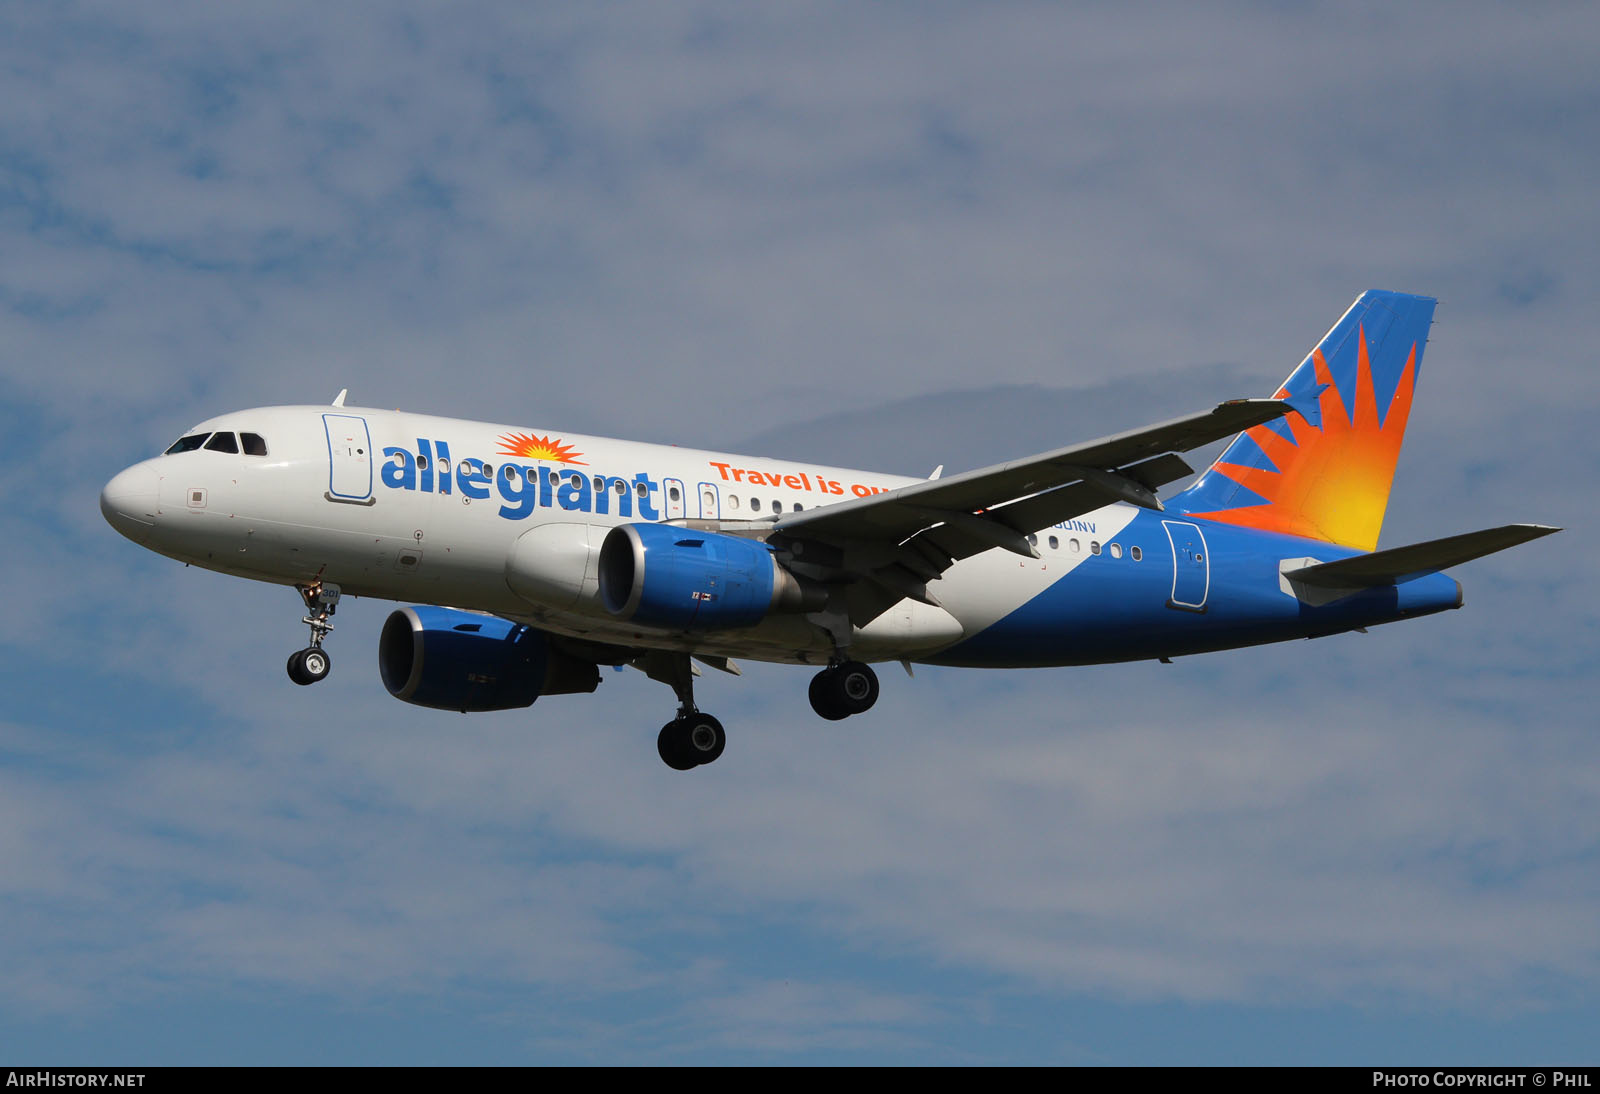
[455,660]
[660,575]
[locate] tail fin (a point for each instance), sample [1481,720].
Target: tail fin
[1324,473]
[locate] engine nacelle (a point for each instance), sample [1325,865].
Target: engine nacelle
[454,660]
[659,575]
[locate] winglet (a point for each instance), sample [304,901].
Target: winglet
[338,400]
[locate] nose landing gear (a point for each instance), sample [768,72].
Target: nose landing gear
[311,664]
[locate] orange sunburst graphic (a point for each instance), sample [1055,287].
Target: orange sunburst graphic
[530,447]
[1331,483]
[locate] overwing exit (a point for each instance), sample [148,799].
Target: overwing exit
[531,558]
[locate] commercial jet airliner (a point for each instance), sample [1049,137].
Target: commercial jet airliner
[535,557]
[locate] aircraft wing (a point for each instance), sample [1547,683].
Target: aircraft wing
[904,538]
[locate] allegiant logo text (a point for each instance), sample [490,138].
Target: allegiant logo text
[522,487]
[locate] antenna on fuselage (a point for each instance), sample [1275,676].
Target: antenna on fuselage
[338,400]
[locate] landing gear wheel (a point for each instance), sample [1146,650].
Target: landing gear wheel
[822,697]
[692,738]
[690,741]
[704,737]
[858,686]
[670,747]
[309,665]
[844,689]
[316,662]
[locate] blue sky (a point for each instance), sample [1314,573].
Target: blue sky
[987,229]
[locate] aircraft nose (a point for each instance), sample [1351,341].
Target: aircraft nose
[129,501]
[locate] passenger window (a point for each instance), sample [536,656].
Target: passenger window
[1054,543]
[673,493]
[188,444]
[1135,553]
[1033,540]
[797,507]
[1116,550]
[777,507]
[555,479]
[622,487]
[755,504]
[1094,546]
[422,463]
[1073,545]
[253,443]
[733,501]
[223,442]
[444,467]
[488,470]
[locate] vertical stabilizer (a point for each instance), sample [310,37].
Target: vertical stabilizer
[1325,472]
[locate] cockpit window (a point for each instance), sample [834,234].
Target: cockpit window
[189,443]
[223,442]
[254,445]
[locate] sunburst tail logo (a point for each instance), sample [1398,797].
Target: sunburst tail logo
[530,447]
[1325,472]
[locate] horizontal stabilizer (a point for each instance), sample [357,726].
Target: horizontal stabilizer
[1399,564]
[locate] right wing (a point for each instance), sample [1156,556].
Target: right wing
[901,539]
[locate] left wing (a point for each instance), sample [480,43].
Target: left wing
[902,539]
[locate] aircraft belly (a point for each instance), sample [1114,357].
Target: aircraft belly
[783,639]
[905,630]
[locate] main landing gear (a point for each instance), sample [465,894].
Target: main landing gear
[838,691]
[689,740]
[693,737]
[311,664]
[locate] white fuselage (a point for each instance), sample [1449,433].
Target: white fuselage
[509,520]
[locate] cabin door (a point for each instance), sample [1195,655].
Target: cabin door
[1191,566]
[349,458]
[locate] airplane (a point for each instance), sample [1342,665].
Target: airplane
[534,558]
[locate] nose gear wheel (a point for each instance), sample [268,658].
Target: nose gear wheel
[312,664]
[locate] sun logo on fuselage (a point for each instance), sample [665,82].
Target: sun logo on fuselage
[530,447]
[1329,482]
